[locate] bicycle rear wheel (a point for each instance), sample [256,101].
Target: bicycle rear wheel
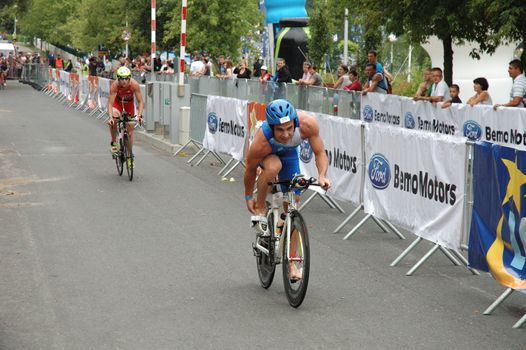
[128,160]
[119,159]
[295,289]
[265,263]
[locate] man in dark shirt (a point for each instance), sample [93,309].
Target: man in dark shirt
[283,73]
[257,68]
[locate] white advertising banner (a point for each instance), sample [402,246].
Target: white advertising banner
[226,129]
[422,115]
[343,146]
[381,108]
[416,180]
[83,89]
[505,126]
[64,83]
[104,93]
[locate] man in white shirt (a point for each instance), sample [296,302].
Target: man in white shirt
[439,89]
[197,66]
[518,89]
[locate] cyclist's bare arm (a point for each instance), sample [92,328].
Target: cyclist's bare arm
[311,130]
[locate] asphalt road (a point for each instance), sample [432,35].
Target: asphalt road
[89,260]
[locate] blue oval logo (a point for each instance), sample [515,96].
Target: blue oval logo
[379,171]
[409,121]
[212,122]
[368,113]
[306,152]
[472,130]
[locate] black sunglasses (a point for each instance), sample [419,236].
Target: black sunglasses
[124,78]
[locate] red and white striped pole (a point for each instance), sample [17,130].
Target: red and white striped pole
[183,43]
[154,25]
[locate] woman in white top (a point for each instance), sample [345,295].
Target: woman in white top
[343,77]
[480,85]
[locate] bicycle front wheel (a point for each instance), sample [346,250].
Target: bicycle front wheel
[119,159]
[296,264]
[265,263]
[128,160]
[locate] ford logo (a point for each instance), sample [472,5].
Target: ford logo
[368,113]
[472,130]
[409,121]
[212,122]
[379,171]
[306,152]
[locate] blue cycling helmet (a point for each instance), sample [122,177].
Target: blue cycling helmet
[281,111]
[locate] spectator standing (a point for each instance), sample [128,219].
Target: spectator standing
[355,84]
[197,66]
[439,89]
[257,68]
[59,63]
[481,86]
[100,66]
[243,72]
[92,67]
[221,64]
[69,66]
[372,57]
[375,80]
[454,90]
[343,77]
[315,79]
[518,89]
[157,64]
[209,66]
[265,75]
[424,89]
[229,74]
[51,59]
[283,72]
[306,74]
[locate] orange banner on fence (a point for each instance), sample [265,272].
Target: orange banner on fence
[93,91]
[256,116]
[74,93]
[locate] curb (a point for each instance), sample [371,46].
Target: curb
[156,141]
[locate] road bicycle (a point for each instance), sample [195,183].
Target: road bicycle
[287,242]
[123,157]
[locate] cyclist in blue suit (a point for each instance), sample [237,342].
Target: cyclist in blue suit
[275,150]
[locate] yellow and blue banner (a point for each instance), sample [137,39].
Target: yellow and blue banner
[497,241]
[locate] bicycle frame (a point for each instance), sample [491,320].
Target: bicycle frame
[278,199]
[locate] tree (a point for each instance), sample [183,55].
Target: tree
[214,26]
[451,21]
[500,21]
[321,28]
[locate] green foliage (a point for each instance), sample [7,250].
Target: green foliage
[218,27]
[48,19]
[500,21]
[321,28]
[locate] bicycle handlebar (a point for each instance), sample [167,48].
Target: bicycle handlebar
[297,181]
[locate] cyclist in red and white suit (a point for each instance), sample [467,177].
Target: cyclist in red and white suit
[122,96]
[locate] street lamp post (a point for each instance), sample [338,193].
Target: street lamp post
[14,30]
[346,38]
[392,39]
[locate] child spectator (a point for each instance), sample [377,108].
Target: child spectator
[453,93]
